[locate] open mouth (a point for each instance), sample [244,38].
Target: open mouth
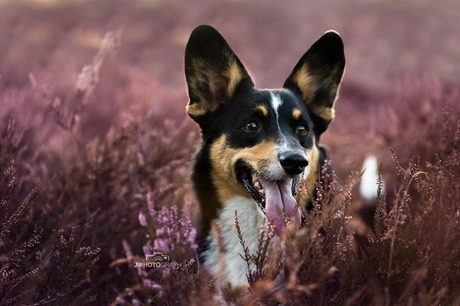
[275,197]
[251,183]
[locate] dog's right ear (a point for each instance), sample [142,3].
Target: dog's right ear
[212,70]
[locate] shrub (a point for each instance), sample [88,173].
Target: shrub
[76,217]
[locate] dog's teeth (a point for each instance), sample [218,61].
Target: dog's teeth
[257,185]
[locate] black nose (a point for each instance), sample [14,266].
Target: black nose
[293,163]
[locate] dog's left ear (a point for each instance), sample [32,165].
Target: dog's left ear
[213,71]
[317,77]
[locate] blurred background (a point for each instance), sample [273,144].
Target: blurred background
[384,39]
[389,46]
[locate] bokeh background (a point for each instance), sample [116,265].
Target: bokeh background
[106,150]
[390,45]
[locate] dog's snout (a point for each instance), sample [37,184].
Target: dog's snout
[293,163]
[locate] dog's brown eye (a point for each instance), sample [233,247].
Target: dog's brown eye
[301,129]
[251,126]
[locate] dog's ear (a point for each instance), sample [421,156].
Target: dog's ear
[317,77]
[212,70]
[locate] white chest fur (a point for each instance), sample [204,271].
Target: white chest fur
[228,266]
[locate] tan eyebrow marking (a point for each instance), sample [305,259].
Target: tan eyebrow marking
[262,110]
[297,114]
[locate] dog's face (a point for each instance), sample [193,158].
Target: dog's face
[261,142]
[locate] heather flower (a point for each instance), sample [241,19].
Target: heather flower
[95,164]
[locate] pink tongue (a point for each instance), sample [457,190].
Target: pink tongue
[279,202]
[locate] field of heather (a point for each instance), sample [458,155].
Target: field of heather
[96,151]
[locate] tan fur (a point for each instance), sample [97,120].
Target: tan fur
[324,112]
[200,107]
[196,109]
[229,80]
[313,162]
[297,114]
[308,184]
[234,75]
[304,81]
[223,160]
[261,109]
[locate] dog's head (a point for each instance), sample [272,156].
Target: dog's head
[262,141]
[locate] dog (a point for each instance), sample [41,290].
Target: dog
[256,143]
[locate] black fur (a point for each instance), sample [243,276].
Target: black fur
[222,100]
[326,61]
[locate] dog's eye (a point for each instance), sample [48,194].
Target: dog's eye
[251,126]
[301,129]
